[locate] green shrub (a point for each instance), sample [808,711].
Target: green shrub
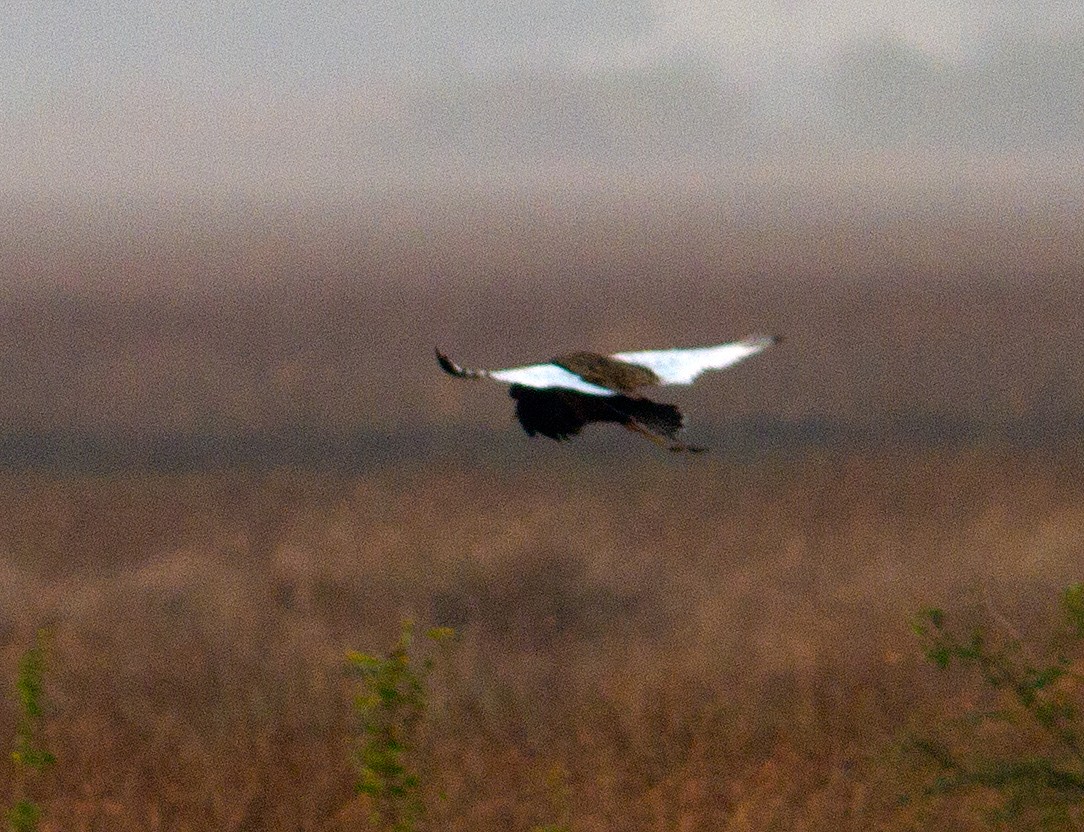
[1020,740]
[30,758]
[391,707]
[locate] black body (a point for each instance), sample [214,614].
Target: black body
[561,414]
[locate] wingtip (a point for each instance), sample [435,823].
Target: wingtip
[764,340]
[445,362]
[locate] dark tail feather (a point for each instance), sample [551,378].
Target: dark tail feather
[658,417]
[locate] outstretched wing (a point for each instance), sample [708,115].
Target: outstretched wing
[682,366]
[539,376]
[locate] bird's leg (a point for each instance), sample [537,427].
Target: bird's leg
[678,448]
[636,427]
[675,447]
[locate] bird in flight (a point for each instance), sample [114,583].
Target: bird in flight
[559,397]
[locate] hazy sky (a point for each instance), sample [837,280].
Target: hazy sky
[281,99]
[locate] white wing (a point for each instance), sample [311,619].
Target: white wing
[534,375]
[682,366]
[548,375]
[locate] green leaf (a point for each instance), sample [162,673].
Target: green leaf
[440,634]
[940,656]
[1072,602]
[1047,676]
[24,816]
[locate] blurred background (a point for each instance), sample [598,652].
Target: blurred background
[233,221]
[230,238]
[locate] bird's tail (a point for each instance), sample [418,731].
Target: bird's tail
[657,421]
[658,417]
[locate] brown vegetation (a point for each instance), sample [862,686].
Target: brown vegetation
[666,646]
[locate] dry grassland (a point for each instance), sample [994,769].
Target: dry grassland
[672,646]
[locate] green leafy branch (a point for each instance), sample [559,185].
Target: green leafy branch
[391,706]
[1038,696]
[29,755]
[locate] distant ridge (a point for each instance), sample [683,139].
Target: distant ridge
[363,450]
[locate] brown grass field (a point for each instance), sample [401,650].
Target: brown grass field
[669,645]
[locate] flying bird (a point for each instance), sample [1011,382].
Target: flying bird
[559,397]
